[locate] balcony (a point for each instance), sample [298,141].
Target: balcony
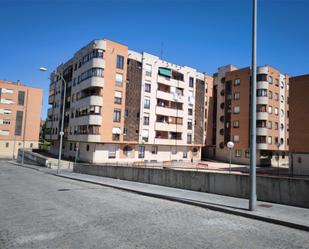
[87,120]
[168,127]
[171,82]
[170,96]
[90,100]
[262,146]
[262,85]
[165,111]
[262,100]
[50,111]
[262,116]
[51,99]
[261,131]
[91,82]
[262,70]
[85,137]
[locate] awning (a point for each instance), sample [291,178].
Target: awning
[116,130]
[165,72]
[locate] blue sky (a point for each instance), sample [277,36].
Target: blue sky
[199,33]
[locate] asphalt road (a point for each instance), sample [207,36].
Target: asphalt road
[39,210]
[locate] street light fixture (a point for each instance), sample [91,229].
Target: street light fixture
[230,146]
[44,69]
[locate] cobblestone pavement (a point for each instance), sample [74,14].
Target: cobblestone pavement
[39,210]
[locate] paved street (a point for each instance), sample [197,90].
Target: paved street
[39,210]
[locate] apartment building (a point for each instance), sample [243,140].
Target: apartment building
[299,125]
[123,105]
[20,113]
[231,112]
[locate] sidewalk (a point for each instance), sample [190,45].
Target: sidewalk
[290,216]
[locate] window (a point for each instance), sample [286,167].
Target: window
[127,151]
[189,124]
[247,153]
[270,109]
[277,82]
[117,115]
[236,138]
[269,140]
[282,98]
[148,70]
[21,97]
[174,150]
[145,135]
[238,153]
[146,120]
[120,62]
[190,111]
[269,124]
[261,92]
[191,81]
[119,79]
[270,79]
[19,123]
[276,125]
[7,145]
[270,94]
[126,113]
[4,132]
[141,151]
[236,123]
[276,96]
[261,123]
[115,137]
[282,112]
[87,147]
[118,97]
[147,103]
[189,139]
[147,87]
[237,82]
[237,96]
[185,154]
[236,109]
[6,111]
[276,111]
[5,90]
[260,108]
[282,84]
[154,150]
[112,152]
[6,121]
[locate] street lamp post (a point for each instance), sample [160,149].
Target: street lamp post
[43,69]
[252,197]
[278,157]
[230,146]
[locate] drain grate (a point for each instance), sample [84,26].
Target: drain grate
[265,205]
[63,189]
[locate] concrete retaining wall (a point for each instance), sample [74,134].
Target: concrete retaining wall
[287,191]
[32,158]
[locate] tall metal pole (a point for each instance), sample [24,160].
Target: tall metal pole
[252,199]
[230,159]
[62,121]
[24,131]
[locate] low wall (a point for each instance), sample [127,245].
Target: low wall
[287,191]
[32,158]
